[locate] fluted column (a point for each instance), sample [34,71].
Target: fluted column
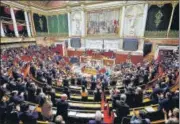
[2,31]
[141,45]
[14,22]
[144,18]
[27,23]
[69,22]
[122,28]
[83,21]
[122,21]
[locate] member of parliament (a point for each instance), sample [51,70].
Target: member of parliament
[89,62]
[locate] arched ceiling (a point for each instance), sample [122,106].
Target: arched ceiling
[49,3]
[52,4]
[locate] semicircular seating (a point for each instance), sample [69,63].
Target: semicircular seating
[79,109]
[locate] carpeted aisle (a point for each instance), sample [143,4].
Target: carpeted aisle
[107,118]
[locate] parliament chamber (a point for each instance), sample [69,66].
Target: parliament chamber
[89,62]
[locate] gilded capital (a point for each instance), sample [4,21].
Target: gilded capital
[68,9]
[174,3]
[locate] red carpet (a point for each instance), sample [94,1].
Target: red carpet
[107,118]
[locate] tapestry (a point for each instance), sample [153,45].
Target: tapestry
[76,22]
[53,24]
[133,20]
[58,24]
[63,24]
[40,23]
[103,22]
[158,17]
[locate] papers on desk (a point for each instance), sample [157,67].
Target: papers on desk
[90,115]
[54,112]
[75,87]
[149,109]
[72,114]
[31,107]
[85,115]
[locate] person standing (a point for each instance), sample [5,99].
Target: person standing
[62,107]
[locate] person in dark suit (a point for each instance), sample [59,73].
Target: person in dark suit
[136,80]
[130,96]
[122,109]
[79,80]
[155,93]
[145,77]
[49,79]
[72,80]
[3,106]
[97,95]
[33,70]
[54,72]
[67,92]
[31,92]
[167,102]
[27,116]
[84,82]
[176,99]
[65,82]
[16,74]
[16,98]
[12,114]
[39,98]
[93,85]
[62,107]
[138,99]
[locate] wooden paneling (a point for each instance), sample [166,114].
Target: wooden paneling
[156,42]
[74,53]
[119,58]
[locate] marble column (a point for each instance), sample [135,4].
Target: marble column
[69,30]
[27,23]
[83,32]
[122,28]
[69,43]
[14,22]
[2,31]
[141,45]
[144,18]
[83,23]
[122,21]
[69,24]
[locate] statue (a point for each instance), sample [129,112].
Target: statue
[41,23]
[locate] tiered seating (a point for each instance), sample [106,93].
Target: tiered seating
[86,110]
